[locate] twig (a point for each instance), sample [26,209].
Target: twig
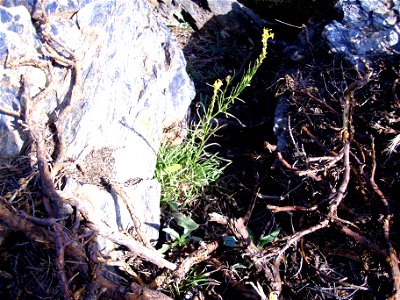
[288,24]
[47,185]
[359,238]
[150,255]
[299,172]
[393,258]
[102,229]
[247,216]
[323,103]
[325,167]
[196,257]
[345,181]
[48,189]
[18,222]
[277,209]
[316,140]
[114,188]
[114,291]
[9,112]
[71,62]
[23,185]
[296,238]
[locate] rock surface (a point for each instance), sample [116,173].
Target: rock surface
[131,84]
[369,29]
[236,16]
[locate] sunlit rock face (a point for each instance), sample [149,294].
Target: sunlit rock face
[369,28]
[131,84]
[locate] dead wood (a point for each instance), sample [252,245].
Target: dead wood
[196,257]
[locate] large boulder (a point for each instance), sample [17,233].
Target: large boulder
[131,85]
[369,29]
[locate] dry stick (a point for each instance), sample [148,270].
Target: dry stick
[247,216]
[72,62]
[102,229]
[346,135]
[196,257]
[46,177]
[47,185]
[44,66]
[323,103]
[120,193]
[65,110]
[240,232]
[325,167]
[393,258]
[288,166]
[150,255]
[361,239]
[345,181]
[114,291]
[277,209]
[297,237]
[316,140]
[335,154]
[9,112]
[20,222]
[48,189]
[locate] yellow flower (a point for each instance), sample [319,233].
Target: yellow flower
[217,84]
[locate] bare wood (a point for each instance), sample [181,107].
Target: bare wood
[345,181]
[393,257]
[277,209]
[196,257]
[128,241]
[132,211]
[9,112]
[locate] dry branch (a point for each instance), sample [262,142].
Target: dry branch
[196,257]
[9,112]
[149,254]
[393,258]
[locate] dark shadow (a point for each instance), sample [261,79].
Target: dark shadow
[225,46]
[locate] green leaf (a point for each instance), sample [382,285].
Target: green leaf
[164,248]
[174,206]
[269,238]
[173,168]
[172,232]
[185,222]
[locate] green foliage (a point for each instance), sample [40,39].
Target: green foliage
[192,281]
[269,238]
[184,170]
[180,240]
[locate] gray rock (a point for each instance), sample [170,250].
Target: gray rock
[368,29]
[232,15]
[52,6]
[110,205]
[132,84]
